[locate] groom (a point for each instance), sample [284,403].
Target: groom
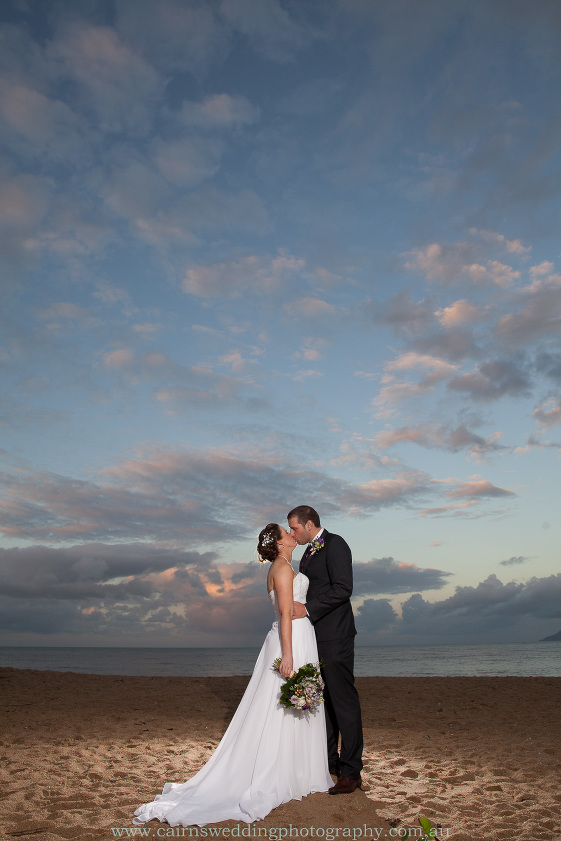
[327,563]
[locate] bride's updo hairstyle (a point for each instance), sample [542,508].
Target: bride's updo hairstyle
[267,549]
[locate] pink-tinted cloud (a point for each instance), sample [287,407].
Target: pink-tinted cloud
[441,437]
[512,246]
[257,274]
[310,308]
[477,488]
[184,495]
[548,413]
[218,111]
[459,312]
[456,262]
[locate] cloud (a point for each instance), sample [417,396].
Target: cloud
[462,509]
[25,201]
[401,313]
[187,161]
[257,274]
[309,373]
[269,28]
[187,386]
[477,488]
[453,344]
[540,316]
[312,349]
[458,313]
[441,437]
[492,610]
[39,127]
[452,263]
[310,308]
[393,392]
[495,379]
[472,261]
[180,37]
[491,598]
[385,575]
[408,361]
[375,615]
[180,495]
[403,489]
[218,112]
[108,77]
[90,571]
[131,592]
[548,413]
[512,246]
[515,560]
[549,365]
[471,493]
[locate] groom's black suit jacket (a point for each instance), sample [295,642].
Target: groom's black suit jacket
[331,585]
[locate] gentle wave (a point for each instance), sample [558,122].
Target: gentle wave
[518,659]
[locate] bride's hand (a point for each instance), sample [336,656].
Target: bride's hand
[285,667]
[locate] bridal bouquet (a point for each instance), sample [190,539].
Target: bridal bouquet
[303,690]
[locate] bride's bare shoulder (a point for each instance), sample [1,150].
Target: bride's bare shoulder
[281,574]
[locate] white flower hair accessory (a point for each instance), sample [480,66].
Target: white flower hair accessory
[267,540]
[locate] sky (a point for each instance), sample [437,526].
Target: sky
[264,253]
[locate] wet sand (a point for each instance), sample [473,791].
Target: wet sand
[479,757]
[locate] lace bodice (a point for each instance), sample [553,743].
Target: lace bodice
[299,591]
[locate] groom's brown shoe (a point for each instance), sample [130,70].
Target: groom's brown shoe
[345,785]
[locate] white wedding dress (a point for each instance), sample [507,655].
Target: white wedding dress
[267,756]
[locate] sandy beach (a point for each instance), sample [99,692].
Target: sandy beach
[479,757]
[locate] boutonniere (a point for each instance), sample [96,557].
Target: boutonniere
[317,544]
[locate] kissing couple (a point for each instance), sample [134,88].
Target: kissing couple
[269,754]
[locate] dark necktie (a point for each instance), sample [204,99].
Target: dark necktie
[305,557]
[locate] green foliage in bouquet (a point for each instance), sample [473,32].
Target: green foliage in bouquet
[429,831]
[303,690]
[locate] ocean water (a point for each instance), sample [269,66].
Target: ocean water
[520,659]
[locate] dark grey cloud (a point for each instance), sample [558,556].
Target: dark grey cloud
[385,575]
[495,379]
[490,611]
[548,364]
[539,318]
[247,572]
[90,571]
[401,313]
[375,615]
[40,616]
[540,597]
[130,592]
[516,559]
[453,345]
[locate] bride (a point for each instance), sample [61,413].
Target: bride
[269,754]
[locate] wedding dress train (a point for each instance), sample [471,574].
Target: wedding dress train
[267,756]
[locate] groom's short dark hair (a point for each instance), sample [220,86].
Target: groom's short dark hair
[303,513]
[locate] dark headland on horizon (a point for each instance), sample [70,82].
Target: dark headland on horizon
[553,638]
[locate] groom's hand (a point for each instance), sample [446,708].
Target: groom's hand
[299,611]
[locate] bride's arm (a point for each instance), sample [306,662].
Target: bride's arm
[283,585]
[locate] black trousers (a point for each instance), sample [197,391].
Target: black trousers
[342,706]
